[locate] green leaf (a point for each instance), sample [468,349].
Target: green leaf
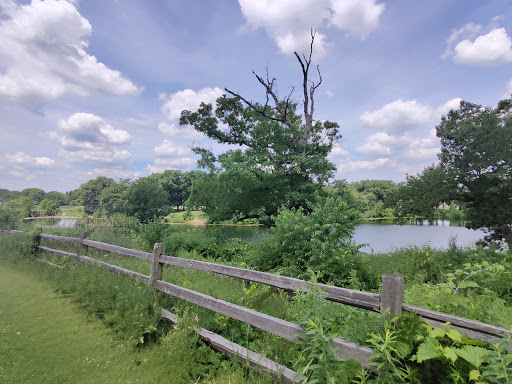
[474,375]
[430,349]
[454,335]
[473,355]
[437,332]
[450,354]
[467,284]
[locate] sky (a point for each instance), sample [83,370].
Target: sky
[96,87]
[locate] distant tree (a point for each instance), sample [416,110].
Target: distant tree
[146,200]
[476,153]
[23,206]
[90,193]
[48,208]
[57,197]
[423,193]
[176,183]
[35,194]
[281,158]
[112,199]
[6,195]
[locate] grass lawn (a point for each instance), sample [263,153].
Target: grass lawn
[43,339]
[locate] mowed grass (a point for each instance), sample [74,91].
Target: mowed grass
[48,337]
[43,339]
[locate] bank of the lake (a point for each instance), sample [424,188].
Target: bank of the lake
[379,236]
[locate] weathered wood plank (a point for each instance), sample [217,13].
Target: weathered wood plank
[359,299]
[392,294]
[468,332]
[156,267]
[282,328]
[461,322]
[347,350]
[118,249]
[11,231]
[56,251]
[114,268]
[64,239]
[278,371]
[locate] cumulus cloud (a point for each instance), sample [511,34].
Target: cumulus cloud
[43,55]
[25,166]
[88,139]
[162,164]
[474,44]
[114,173]
[405,141]
[492,49]
[399,117]
[176,153]
[170,149]
[289,22]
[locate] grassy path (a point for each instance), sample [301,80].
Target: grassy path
[43,339]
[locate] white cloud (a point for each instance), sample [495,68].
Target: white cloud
[289,22]
[170,149]
[360,17]
[88,139]
[163,164]
[492,49]
[468,31]
[189,100]
[83,128]
[366,165]
[398,116]
[381,143]
[43,55]
[114,173]
[187,131]
[25,166]
[98,156]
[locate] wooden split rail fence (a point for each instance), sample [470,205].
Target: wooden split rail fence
[390,300]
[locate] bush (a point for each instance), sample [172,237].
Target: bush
[320,241]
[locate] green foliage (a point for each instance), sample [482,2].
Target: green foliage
[423,193]
[320,241]
[411,351]
[176,183]
[57,197]
[476,155]
[146,200]
[48,208]
[283,163]
[318,360]
[90,193]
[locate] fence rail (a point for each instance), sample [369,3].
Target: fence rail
[390,299]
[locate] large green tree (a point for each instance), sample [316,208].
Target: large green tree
[281,159]
[422,194]
[91,191]
[476,153]
[146,200]
[176,183]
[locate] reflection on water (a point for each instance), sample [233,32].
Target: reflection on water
[384,237]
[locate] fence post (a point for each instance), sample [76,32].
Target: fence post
[156,266]
[37,240]
[392,294]
[81,247]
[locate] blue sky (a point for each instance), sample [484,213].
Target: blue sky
[95,88]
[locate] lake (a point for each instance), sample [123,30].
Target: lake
[385,236]
[380,236]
